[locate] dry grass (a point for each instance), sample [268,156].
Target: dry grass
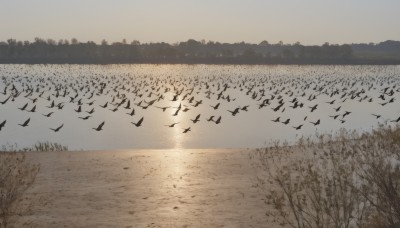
[343,180]
[16,177]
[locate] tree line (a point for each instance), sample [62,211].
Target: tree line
[190,51]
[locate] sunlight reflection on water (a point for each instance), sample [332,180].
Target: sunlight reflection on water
[248,129]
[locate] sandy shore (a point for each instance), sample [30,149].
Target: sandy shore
[146,188]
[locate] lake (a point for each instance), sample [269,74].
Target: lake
[259,93]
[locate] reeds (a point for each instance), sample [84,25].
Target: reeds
[37,147]
[343,180]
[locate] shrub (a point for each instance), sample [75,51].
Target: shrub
[16,176]
[343,180]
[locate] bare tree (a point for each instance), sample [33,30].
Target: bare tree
[16,177]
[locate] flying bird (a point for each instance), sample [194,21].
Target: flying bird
[57,129]
[3,124]
[100,127]
[25,124]
[139,123]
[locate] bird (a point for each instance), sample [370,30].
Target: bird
[298,127]
[377,116]
[104,106]
[334,117]
[331,102]
[84,118]
[245,108]
[2,124]
[25,124]
[396,120]
[218,121]
[48,115]
[286,121]
[100,127]
[162,108]
[139,123]
[211,118]
[276,120]
[90,112]
[23,107]
[316,122]
[172,125]
[345,114]
[5,101]
[186,130]
[57,129]
[132,112]
[313,107]
[234,112]
[33,109]
[216,106]
[176,113]
[337,109]
[197,119]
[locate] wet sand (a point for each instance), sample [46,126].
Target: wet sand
[146,188]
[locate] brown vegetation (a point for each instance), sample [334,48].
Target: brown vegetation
[343,180]
[16,177]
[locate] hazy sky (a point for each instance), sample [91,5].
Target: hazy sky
[307,21]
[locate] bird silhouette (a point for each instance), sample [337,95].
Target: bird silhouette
[5,101]
[313,108]
[33,109]
[334,117]
[345,114]
[316,122]
[172,125]
[234,112]
[84,118]
[218,121]
[23,107]
[396,120]
[90,112]
[276,120]
[186,130]
[48,115]
[2,124]
[57,129]
[25,124]
[245,108]
[211,118]
[100,127]
[216,106]
[139,123]
[104,106]
[377,116]
[298,127]
[197,119]
[132,113]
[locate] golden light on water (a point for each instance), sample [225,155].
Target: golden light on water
[177,129]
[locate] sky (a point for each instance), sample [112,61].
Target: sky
[252,21]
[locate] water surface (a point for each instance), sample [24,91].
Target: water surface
[356,89]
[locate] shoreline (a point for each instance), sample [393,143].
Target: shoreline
[216,61]
[146,188]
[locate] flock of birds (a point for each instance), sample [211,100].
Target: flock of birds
[88,90]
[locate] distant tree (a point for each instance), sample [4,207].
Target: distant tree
[74,41]
[287,53]
[135,42]
[249,52]
[104,42]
